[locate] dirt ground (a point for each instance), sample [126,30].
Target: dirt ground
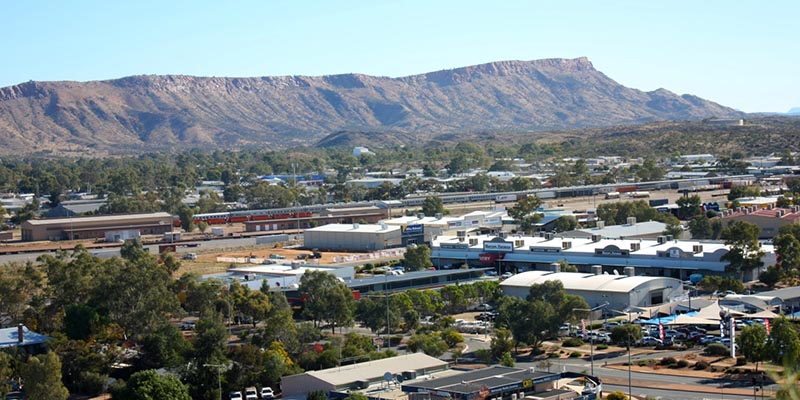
[207,263]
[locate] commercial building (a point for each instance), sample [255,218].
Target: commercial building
[360,376]
[353,237]
[350,215]
[498,382]
[95,227]
[663,256]
[769,219]
[619,291]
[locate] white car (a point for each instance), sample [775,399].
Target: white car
[266,393]
[484,307]
[235,396]
[250,394]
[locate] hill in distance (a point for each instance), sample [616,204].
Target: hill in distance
[146,113]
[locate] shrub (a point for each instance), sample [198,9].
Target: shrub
[617,396]
[601,346]
[553,355]
[667,361]
[682,364]
[572,342]
[575,354]
[701,365]
[716,349]
[641,363]
[741,361]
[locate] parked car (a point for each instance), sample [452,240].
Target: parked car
[250,394]
[484,307]
[235,396]
[277,256]
[190,256]
[610,325]
[506,275]
[267,393]
[650,341]
[187,326]
[708,339]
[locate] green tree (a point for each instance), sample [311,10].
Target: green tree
[502,342]
[787,245]
[42,377]
[432,345]
[507,360]
[327,299]
[524,213]
[616,396]
[451,337]
[6,373]
[745,251]
[149,385]
[783,345]
[690,206]
[417,258]
[432,205]
[186,216]
[207,352]
[626,334]
[738,192]
[566,223]
[753,341]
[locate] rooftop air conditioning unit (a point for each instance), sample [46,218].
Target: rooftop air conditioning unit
[362,384]
[698,248]
[636,246]
[631,220]
[519,243]
[596,238]
[473,241]
[601,224]
[420,215]
[566,245]
[661,239]
[669,238]
[461,234]
[548,236]
[438,215]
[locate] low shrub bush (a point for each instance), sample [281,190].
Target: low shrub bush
[716,349]
[668,361]
[701,365]
[682,364]
[741,361]
[575,354]
[602,346]
[572,342]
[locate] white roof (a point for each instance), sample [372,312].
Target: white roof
[373,369]
[579,281]
[413,220]
[355,228]
[621,231]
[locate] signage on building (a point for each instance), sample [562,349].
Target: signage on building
[502,247]
[412,230]
[612,251]
[455,224]
[454,245]
[490,258]
[535,249]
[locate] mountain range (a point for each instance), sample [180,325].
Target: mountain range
[167,112]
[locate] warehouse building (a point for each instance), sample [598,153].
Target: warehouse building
[96,227]
[353,237]
[360,376]
[619,291]
[663,256]
[769,220]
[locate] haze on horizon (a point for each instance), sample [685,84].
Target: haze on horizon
[742,55]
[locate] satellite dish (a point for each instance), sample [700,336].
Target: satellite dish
[388,376]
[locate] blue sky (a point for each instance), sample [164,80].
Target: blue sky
[743,54]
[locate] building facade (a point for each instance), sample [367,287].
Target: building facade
[95,227]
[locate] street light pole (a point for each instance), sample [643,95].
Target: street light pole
[591,337]
[219,368]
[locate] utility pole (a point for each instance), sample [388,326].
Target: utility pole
[219,368]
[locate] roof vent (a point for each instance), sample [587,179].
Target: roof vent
[356,226]
[631,220]
[601,224]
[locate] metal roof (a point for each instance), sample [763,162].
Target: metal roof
[581,281]
[355,228]
[375,369]
[101,218]
[9,337]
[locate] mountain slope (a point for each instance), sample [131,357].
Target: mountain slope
[143,113]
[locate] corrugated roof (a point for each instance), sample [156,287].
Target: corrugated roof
[375,369]
[581,281]
[9,337]
[355,228]
[101,218]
